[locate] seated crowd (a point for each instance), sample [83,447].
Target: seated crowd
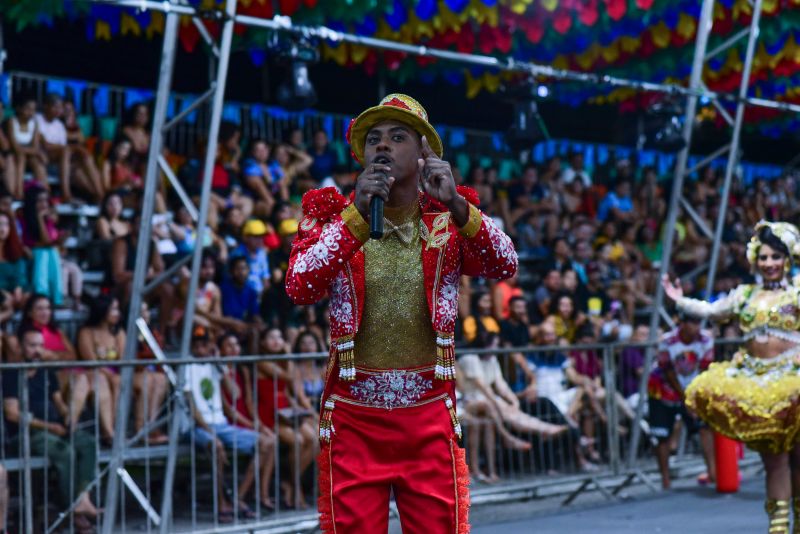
[589,244]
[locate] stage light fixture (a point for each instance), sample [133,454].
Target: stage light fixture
[662,128]
[296,92]
[527,127]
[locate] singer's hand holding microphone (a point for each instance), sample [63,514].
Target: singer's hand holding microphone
[372,190]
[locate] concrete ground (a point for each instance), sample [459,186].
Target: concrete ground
[687,509]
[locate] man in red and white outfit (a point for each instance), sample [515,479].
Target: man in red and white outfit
[388,422]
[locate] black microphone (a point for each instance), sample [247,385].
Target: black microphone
[376,216]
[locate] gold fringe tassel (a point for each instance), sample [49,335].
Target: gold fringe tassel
[453,417]
[325,423]
[345,348]
[445,356]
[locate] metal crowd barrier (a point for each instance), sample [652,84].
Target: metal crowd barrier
[552,465]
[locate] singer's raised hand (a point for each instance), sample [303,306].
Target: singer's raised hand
[375,181]
[437,176]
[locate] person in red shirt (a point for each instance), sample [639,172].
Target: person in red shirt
[393,308]
[683,353]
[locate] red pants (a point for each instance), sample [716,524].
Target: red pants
[410,451]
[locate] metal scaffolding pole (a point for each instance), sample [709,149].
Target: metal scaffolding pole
[677,198]
[285,25]
[140,287]
[197,253]
[734,153]
[140,270]
[695,81]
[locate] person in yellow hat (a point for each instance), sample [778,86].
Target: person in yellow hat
[388,423]
[253,249]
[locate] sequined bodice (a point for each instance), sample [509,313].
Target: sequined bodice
[774,310]
[395,330]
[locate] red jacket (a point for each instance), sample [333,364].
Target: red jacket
[326,259]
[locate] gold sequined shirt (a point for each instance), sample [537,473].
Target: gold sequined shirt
[395,330]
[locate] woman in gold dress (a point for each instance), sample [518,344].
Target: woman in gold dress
[755,397]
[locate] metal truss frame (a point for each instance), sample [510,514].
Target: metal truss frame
[156,164]
[219,57]
[677,199]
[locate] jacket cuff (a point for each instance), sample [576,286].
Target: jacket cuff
[470,229]
[356,223]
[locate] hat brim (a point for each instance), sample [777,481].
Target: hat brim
[378,114]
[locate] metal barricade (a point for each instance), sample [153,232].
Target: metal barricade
[251,462]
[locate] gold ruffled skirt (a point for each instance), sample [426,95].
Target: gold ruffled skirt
[753,400]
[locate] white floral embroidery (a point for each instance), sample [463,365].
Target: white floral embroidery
[501,243]
[447,301]
[341,300]
[391,389]
[322,252]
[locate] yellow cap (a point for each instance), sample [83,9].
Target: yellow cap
[287,227]
[254,227]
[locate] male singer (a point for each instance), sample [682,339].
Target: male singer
[388,420]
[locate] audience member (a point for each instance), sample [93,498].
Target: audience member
[252,248]
[11,180]
[575,171]
[325,159]
[120,172]
[486,394]
[208,301]
[262,177]
[101,339]
[26,144]
[71,453]
[213,430]
[239,299]
[481,307]
[293,164]
[617,204]
[121,267]
[87,173]
[230,139]
[544,294]
[75,164]
[136,129]
[312,373]
[150,384]
[13,267]
[502,293]
[110,224]
[40,234]
[284,407]
[631,366]
[276,307]
[240,410]
[565,318]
